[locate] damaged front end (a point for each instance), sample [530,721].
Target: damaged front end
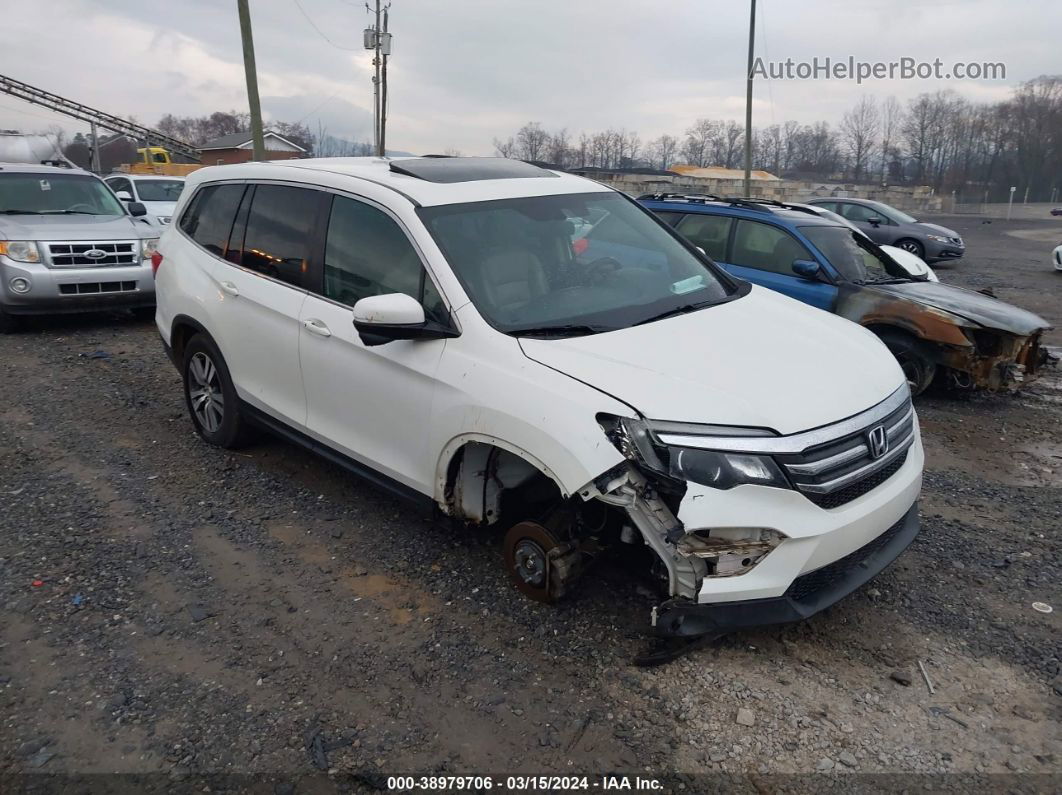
[649,489]
[978,340]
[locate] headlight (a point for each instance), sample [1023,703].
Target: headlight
[939,238]
[724,470]
[20,250]
[720,470]
[148,247]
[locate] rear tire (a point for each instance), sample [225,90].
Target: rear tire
[211,396]
[917,368]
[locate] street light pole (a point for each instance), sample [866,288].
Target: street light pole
[253,103]
[748,101]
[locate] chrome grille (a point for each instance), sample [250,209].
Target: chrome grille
[86,254]
[838,471]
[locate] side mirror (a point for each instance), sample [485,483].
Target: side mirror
[875,222]
[124,195]
[380,319]
[702,250]
[136,209]
[806,269]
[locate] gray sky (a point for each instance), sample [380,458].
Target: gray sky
[464,71]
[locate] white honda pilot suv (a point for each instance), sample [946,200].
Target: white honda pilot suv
[438,326]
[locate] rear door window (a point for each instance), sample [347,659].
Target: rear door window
[367,253]
[208,218]
[766,248]
[710,232]
[280,228]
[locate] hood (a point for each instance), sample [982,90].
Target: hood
[940,230]
[74,227]
[976,307]
[762,360]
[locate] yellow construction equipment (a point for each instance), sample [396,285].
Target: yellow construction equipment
[156,160]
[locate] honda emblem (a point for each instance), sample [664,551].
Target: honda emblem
[878,441]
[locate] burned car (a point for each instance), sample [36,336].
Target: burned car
[970,339]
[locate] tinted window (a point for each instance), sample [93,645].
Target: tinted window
[710,232]
[766,248]
[279,227]
[831,206]
[121,184]
[208,219]
[859,213]
[159,190]
[367,253]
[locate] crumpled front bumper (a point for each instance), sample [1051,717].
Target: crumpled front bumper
[807,595]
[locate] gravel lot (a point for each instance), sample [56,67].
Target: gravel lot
[174,609]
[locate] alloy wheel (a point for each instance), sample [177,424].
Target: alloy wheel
[204,392]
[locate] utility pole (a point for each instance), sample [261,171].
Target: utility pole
[748,101]
[378,40]
[95,149]
[252,80]
[385,51]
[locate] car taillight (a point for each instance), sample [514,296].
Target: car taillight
[156,260]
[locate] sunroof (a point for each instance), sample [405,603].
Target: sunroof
[467,169]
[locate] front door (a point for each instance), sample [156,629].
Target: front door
[371,403]
[764,254]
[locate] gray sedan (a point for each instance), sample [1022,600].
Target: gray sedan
[888,226]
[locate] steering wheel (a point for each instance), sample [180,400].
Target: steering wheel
[601,268]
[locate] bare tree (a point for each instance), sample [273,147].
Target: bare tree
[859,134]
[661,151]
[891,119]
[531,141]
[506,148]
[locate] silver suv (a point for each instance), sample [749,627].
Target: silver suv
[67,244]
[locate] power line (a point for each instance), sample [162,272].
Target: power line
[320,32]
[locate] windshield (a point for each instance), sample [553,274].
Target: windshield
[570,264]
[56,194]
[855,257]
[159,190]
[894,214]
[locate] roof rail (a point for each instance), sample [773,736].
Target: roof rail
[688,197]
[752,203]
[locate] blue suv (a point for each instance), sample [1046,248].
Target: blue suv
[974,339]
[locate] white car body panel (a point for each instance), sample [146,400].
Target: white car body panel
[728,365]
[406,407]
[912,263]
[1056,257]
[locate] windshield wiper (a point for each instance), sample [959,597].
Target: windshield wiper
[685,309]
[563,330]
[18,212]
[887,280]
[66,212]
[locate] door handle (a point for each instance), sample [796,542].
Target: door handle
[316,327]
[230,288]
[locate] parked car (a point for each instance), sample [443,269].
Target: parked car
[1056,211]
[68,245]
[158,194]
[1057,256]
[913,264]
[428,324]
[886,225]
[974,339]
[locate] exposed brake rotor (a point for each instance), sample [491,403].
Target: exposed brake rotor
[540,564]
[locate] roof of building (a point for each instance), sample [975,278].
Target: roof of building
[488,178]
[718,172]
[236,140]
